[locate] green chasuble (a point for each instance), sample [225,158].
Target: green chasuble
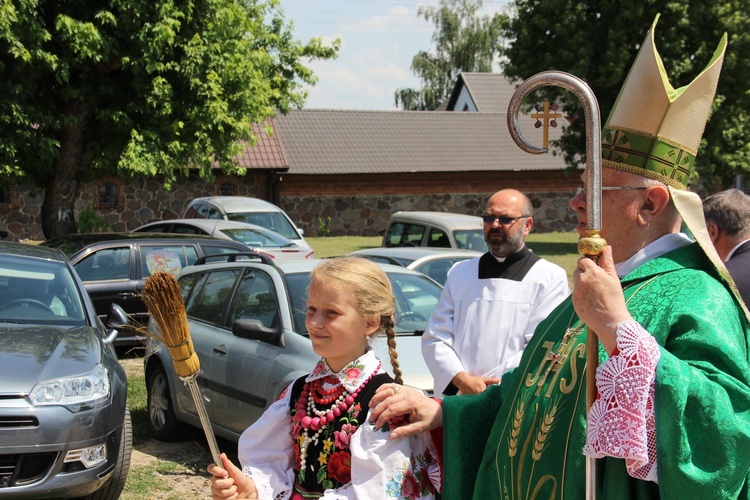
[524,438]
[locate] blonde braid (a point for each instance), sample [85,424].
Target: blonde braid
[387,323]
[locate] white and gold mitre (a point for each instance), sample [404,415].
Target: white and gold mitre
[654,129]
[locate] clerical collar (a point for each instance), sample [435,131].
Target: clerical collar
[513,267]
[514,257]
[499,259]
[656,248]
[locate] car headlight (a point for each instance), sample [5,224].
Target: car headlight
[81,390]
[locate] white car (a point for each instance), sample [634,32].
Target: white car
[432,262]
[245,209]
[257,238]
[435,229]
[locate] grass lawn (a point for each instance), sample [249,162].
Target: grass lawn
[341,245]
[559,248]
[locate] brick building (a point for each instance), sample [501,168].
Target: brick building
[356,167]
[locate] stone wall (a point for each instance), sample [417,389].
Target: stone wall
[351,214]
[138,203]
[367,215]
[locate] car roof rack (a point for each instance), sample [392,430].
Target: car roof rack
[233,257]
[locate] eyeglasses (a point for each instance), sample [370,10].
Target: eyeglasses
[611,188]
[490,219]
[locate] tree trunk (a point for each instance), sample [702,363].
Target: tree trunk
[61,190]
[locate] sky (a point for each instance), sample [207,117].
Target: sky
[379,38]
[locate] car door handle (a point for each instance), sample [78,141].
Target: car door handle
[128,295]
[221,349]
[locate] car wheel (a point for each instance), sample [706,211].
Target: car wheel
[113,487]
[162,420]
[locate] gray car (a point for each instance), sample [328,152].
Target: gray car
[247,323]
[64,425]
[114,266]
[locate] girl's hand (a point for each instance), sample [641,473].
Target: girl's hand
[392,401]
[230,482]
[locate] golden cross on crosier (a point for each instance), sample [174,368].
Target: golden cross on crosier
[546,117]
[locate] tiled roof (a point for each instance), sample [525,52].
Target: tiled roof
[491,92]
[343,142]
[268,153]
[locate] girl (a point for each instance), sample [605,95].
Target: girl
[315,441]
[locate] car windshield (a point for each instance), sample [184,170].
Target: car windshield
[38,292]
[416,297]
[437,269]
[275,221]
[257,239]
[66,246]
[471,239]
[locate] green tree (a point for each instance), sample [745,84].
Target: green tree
[464,41]
[598,41]
[138,88]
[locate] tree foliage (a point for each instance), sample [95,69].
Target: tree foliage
[464,41]
[138,88]
[598,41]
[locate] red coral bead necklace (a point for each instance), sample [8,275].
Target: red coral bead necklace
[313,394]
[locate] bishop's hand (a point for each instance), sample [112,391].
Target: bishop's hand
[413,411]
[598,298]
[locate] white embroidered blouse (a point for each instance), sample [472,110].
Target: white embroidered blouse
[379,467]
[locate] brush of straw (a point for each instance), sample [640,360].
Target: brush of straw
[163,299]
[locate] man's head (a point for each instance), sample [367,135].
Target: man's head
[510,217]
[632,217]
[727,217]
[650,142]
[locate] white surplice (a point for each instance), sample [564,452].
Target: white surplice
[480,326]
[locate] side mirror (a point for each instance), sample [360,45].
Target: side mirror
[253,329]
[117,317]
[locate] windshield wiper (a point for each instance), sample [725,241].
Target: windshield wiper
[415,333]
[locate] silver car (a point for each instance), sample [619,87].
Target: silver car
[64,425]
[247,323]
[257,238]
[245,209]
[432,262]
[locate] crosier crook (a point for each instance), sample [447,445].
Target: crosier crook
[592,245]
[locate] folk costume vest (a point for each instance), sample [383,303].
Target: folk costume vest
[325,451]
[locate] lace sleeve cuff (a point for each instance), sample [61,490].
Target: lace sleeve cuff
[621,422]
[268,484]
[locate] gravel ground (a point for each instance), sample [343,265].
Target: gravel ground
[190,479]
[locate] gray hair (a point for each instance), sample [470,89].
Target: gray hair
[730,211]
